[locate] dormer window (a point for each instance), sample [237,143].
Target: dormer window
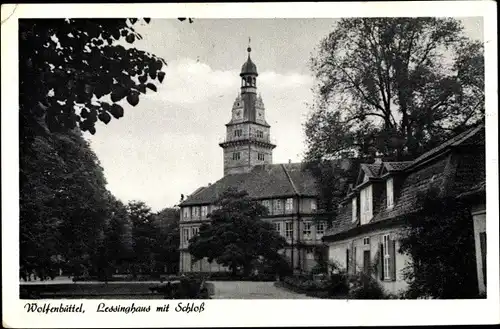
[354,209]
[366,205]
[390,192]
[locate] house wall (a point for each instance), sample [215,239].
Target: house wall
[337,253]
[479,217]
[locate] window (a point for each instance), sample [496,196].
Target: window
[366,241]
[278,207]
[313,205]
[354,209]
[320,229]
[289,205]
[390,193]
[288,230]
[267,204]
[185,212]
[236,155]
[387,257]
[194,231]
[185,235]
[366,204]
[237,133]
[204,211]
[196,211]
[277,227]
[307,231]
[260,156]
[260,134]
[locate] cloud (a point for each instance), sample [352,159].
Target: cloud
[168,144]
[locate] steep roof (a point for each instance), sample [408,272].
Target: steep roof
[396,166]
[455,141]
[263,181]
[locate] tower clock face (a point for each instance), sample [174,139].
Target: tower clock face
[237,114]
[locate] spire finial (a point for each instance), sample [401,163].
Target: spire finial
[249,49]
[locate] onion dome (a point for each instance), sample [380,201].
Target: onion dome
[249,67]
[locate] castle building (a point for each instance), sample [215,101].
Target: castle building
[287,190]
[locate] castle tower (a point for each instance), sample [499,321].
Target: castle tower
[247,141]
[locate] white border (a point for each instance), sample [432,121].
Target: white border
[247,312]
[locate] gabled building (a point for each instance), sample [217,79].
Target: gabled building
[373,212]
[288,191]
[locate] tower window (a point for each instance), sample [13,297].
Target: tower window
[236,155]
[237,133]
[260,134]
[260,156]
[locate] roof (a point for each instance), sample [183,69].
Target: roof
[396,166]
[249,67]
[455,141]
[462,176]
[262,182]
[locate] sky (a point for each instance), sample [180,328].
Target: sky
[168,144]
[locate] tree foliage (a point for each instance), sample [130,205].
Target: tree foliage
[236,236]
[396,86]
[68,66]
[168,238]
[63,203]
[440,242]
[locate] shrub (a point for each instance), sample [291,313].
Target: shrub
[364,286]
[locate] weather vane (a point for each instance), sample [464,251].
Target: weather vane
[249,49]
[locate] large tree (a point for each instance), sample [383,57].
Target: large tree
[63,203]
[168,239]
[237,236]
[396,86]
[69,67]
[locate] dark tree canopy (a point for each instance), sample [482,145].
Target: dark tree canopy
[63,203]
[68,67]
[396,86]
[236,235]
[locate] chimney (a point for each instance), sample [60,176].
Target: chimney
[289,160]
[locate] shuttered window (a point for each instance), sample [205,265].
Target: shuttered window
[388,251]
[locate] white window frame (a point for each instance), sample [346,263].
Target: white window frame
[314,206]
[186,212]
[289,205]
[194,231]
[185,235]
[196,212]
[366,204]
[307,231]
[354,209]
[277,206]
[204,211]
[288,230]
[320,229]
[389,187]
[387,257]
[366,241]
[277,227]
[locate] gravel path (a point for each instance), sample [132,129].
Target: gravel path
[252,290]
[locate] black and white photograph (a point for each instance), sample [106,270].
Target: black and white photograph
[184,159]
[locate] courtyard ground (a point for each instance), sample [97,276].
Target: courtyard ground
[252,290]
